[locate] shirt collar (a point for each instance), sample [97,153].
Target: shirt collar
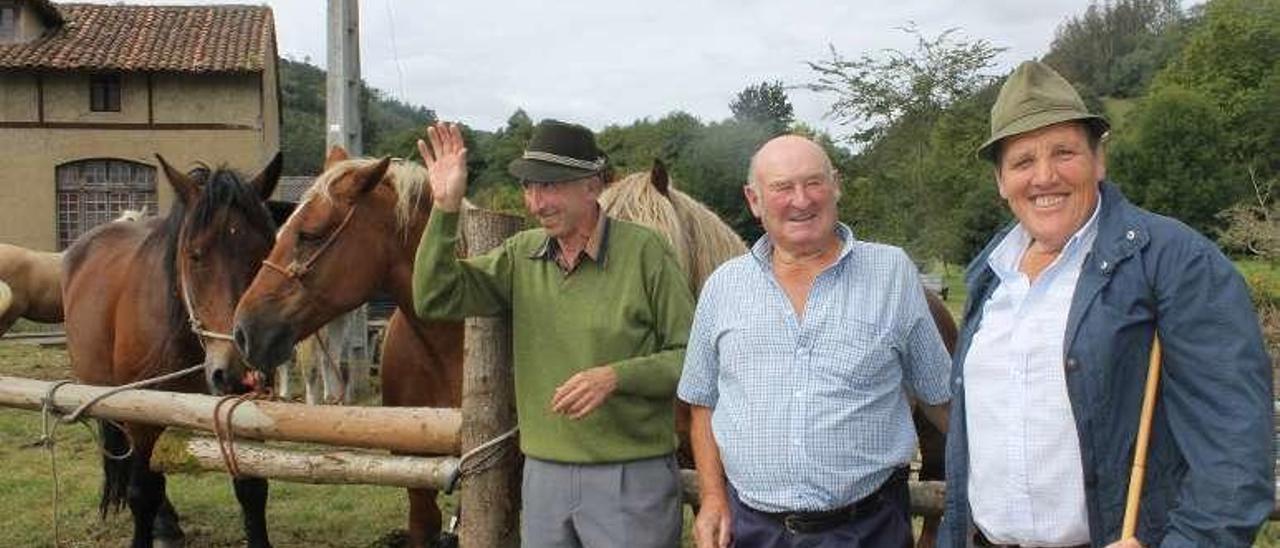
[762,250]
[594,250]
[1005,257]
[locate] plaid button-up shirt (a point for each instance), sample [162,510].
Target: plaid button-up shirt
[812,413]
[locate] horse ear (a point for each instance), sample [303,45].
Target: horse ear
[367,178]
[186,188]
[336,154]
[658,177]
[266,181]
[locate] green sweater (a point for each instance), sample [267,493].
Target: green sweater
[631,311]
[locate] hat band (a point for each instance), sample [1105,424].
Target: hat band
[567,161]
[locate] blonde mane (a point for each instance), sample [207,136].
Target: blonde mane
[407,178]
[701,240]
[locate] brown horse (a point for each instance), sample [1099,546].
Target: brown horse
[702,242]
[153,297]
[32,280]
[356,232]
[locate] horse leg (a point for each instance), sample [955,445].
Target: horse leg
[166,525]
[424,517]
[252,494]
[146,487]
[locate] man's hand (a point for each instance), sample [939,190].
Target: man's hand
[712,529]
[1126,543]
[584,392]
[446,163]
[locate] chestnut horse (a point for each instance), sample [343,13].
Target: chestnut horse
[354,233]
[154,297]
[702,242]
[31,278]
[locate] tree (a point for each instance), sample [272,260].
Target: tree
[1112,48]
[499,150]
[634,147]
[765,103]
[713,169]
[874,93]
[1171,159]
[1253,226]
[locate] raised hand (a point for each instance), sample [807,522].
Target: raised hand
[446,162]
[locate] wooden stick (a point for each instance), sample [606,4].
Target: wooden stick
[1138,473]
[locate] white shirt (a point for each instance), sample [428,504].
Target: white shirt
[1026,483]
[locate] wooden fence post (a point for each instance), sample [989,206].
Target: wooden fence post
[490,505]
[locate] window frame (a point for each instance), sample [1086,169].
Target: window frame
[104,92]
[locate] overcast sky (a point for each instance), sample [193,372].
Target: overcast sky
[611,62]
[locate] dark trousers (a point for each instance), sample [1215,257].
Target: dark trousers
[882,520]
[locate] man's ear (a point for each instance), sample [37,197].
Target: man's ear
[753,199]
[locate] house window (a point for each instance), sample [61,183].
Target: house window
[104,93]
[8,23]
[92,192]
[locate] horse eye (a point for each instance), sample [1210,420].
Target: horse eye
[307,237]
[194,255]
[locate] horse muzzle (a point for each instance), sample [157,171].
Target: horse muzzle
[264,345]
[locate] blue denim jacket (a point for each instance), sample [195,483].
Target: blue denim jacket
[1210,478]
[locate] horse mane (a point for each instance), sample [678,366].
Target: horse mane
[407,178]
[220,189]
[699,238]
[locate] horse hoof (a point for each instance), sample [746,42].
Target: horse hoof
[176,542]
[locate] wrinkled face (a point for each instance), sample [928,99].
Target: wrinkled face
[217,257]
[1049,177]
[344,265]
[794,193]
[562,207]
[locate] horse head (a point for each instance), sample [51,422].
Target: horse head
[222,232]
[350,236]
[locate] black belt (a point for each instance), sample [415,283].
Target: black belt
[825,520]
[980,539]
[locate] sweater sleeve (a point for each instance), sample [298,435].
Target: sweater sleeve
[656,375]
[446,287]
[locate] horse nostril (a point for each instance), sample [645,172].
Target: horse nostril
[220,380]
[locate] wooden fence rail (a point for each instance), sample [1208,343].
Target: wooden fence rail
[404,429]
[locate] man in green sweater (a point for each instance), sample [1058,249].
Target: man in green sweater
[600,314]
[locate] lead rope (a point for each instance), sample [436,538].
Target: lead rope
[51,418]
[480,458]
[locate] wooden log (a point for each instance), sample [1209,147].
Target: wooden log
[178,451]
[490,501]
[408,429]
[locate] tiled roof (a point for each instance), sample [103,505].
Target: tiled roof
[219,38]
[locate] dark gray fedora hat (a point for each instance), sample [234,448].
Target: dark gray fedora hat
[557,152]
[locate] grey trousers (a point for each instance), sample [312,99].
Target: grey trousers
[634,504]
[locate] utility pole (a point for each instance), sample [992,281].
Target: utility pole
[342,118]
[342,98]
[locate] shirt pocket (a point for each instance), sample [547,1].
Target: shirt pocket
[857,354]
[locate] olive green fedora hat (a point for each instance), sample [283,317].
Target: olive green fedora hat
[557,152]
[1033,97]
